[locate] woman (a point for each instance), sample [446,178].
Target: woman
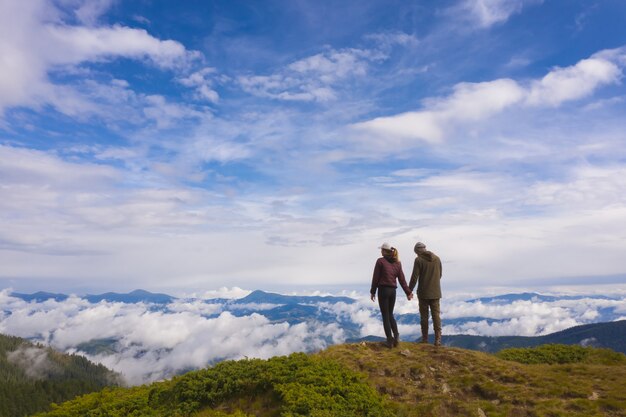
[386,271]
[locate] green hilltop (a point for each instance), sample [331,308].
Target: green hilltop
[367,379]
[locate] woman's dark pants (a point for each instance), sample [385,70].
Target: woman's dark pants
[386,302]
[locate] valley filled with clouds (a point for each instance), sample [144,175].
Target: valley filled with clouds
[147,341]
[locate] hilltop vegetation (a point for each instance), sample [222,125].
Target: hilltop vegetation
[366,379]
[295,385]
[561,354]
[32,377]
[421,380]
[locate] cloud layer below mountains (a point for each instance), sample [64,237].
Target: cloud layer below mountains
[146,342]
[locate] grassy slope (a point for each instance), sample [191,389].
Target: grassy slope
[426,381]
[368,379]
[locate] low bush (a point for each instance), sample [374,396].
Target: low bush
[296,385]
[562,354]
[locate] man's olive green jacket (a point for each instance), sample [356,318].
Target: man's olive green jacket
[427,275]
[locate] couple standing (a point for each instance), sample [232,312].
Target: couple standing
[426,274]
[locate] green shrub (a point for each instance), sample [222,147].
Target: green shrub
[547,354]
[297,385]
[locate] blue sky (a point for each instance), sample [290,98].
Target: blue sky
[186,146]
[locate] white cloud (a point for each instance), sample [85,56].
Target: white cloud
[587,187]
[572,83]
[152,344]
[75,44]
[89,11]
[424,125]
[388,39]
[33,360]
[333,65]
[37,182]
[165,114]
[470,103]
[202,83]
[487,13]
[527,318]
[314,78]
[35,43]
[225,292]
[21,166]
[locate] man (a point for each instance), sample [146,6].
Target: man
[427,275]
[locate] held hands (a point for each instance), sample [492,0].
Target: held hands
[408,297]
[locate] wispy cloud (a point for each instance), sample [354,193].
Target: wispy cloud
[34,361]
[38,44]
[89,11]
[486,13]
[202,82]
[319,77]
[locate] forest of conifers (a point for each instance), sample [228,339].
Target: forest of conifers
[32,377]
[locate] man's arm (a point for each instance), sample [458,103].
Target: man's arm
[402,280]
[414,275]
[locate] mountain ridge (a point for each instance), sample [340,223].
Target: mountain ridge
[611,335]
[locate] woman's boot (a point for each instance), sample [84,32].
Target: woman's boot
[389,343]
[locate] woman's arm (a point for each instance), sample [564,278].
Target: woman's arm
[375,278]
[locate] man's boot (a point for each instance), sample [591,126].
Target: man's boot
[424,332]
[396,340]
[438,338]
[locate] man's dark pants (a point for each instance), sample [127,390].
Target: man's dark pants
[435,310]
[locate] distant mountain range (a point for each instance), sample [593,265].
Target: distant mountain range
[137,296]
[532,296]
[263,297]
[143,296]
[40,296]
[610,335]
[298,309]
[295,309]
[259,296]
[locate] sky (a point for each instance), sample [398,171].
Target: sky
[186,146]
